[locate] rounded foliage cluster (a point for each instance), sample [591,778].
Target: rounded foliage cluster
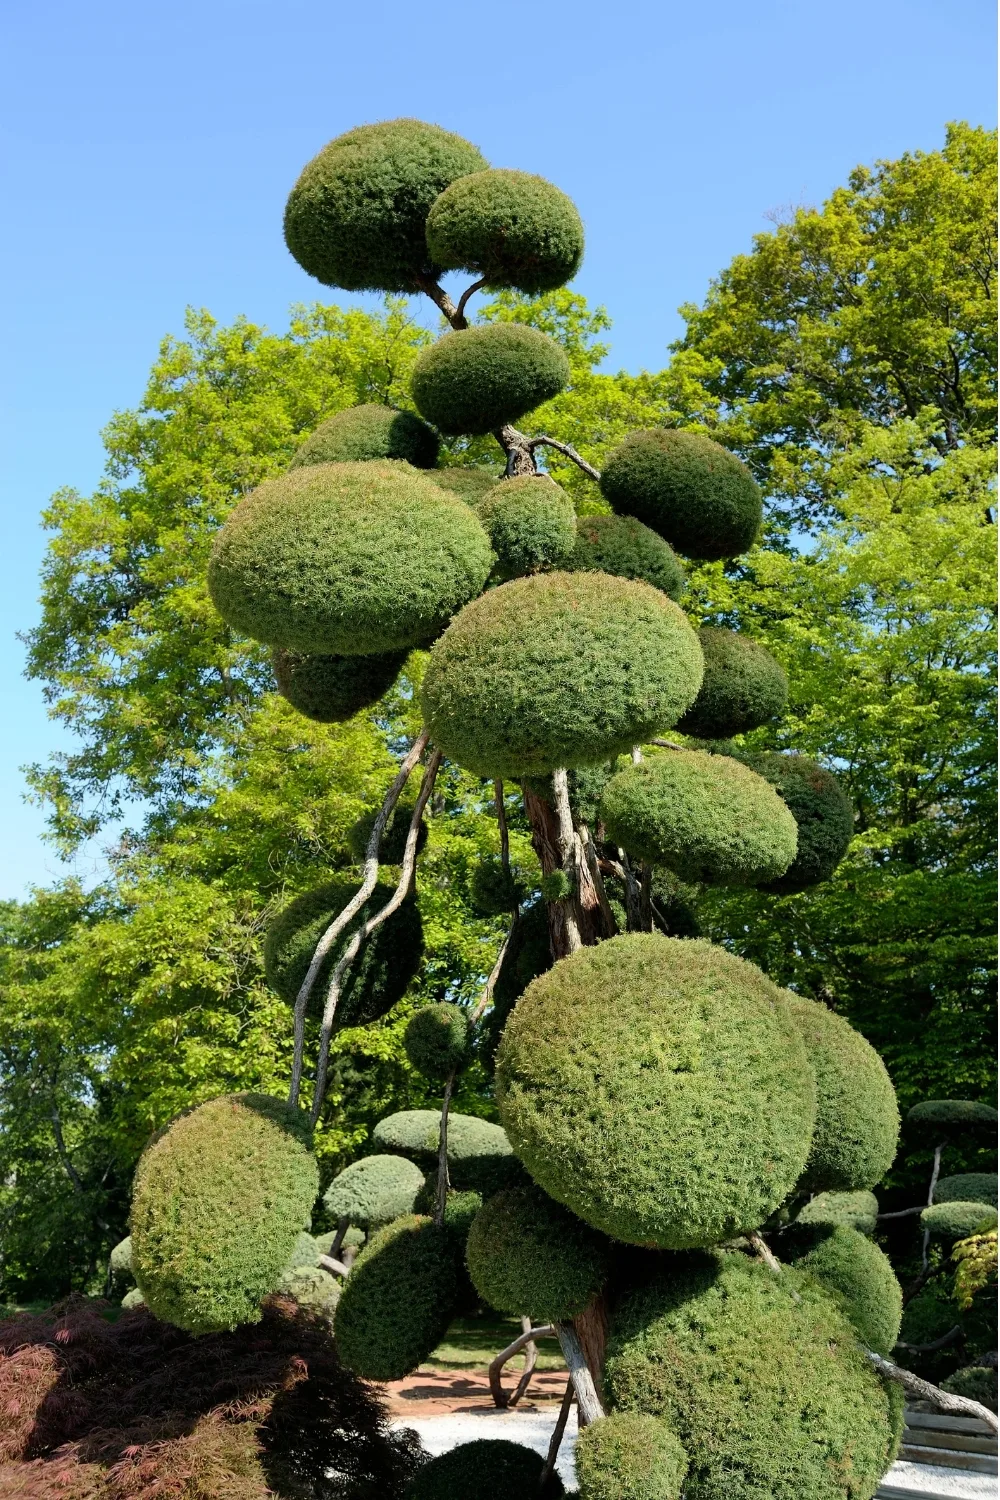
[313,1289]
[361,433]
[706,817]
[743,687]
[629,1456]
[357,216]
[759,1376]
[941,1118]
[380,974]
[857,1210]
[374,1191]
[860,1273]
[696,494]
[562,669]
[476,380]
[976,1383]
[857,1117]
[531,525]
[470,485]
[967,1187]
[331,689]
[396,1304]
[121,1257]
[659,1089]
[490,1467]
[956,1220]
[217,1203]
[511,228]
[347,559]
[527,1255]
[494,890]
[623,546]
[480,1158]
[437,1040]
[822,812]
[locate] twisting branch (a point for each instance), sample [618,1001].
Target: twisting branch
[487,991]
[527,1336]
[441,300]
[464,299]
[960,1406]
[443,1184]
[567,849]
[951,1337]
[594,866]
[557,1437]
[570,453]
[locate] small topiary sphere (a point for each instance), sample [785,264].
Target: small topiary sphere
[121,1257]
[495,890]
[393,844]
[347,559]
[512,228]
[563,669]
[331,689]
[942,1119]
[965,1187]
[629,1456]
[857,1117]
[857,1210]
[689,489]
[956,1220]
[743,687]
[976,1383]
[470,485]
[133,1298]
[396,1304]
[527,1255]
[361,433]
[625,547]
[356,217]
[659,1089]
[705,817]
[488,1466]
[531,525]
[476,380]
[437,1040]
[382,970]
[822,812]
[217,1203]
[314,1289]
[862,1275]
[479,1154]
[374,1191]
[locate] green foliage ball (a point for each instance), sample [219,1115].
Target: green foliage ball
[857,1210]
[396,1304]
[332,689]
[437,1040]
[966,1187]
[562,669]
[476,380]
[217,1203]
[822,812]
[512,228]
[490,1467]
[361,433]
[555,886]
[862,1274]
[396,831]
[132,1298]
[528,1256]
[357,216]
[314,1289]
[494,890]
[629,1456]
[347,559]
[531,524]
[857,1117]
[976,1383]
[659,1089]
[760,1377]
[470,485]
[480,1158]
[382,970]
[696,494]
[121,1257]
[706,817]
[625,547]
[743,687]
[942,1119]
[374,1191]
[956,1220]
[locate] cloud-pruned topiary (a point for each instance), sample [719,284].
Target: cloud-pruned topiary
[491,1467]
[706,817]
[760,1377]
[470,485]
[956,1220]
[511,228]
[436,1040]
[218,1200]
[361,433]
[562,669]
[862,1274]
[480,1157]
[531,525]
[743,687]
[629,1456]
[696,494]
[857,1117]
[396,1304]
[857,1210]
[331,689]
[965,1187]
[374,1191]
[347,559]
[942,1118]
[625,547]
[822,812]
[527,1255]
[357,216]
[476,380]
[613,1062]
[382,971]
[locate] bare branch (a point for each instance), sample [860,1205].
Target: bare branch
[557,1437]
[959,1406]
[765,1252]
[666,744]
[501,813]
[632,901]
[951,1337]
[463,302]
[500,1397]
[490,985]
[570,453]
[441,1196]
[64,1155]
[441,300]
[587,1400]
[567,849]
[337,1267]
[520,454]
[903,1213]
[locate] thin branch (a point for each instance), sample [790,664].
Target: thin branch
[959,1406]
[587,1400]
[666,744]
[951,1337]
[903,1213]
[935,1174]
[501,813]
[632,903]
[570,453]
[490,985]
[646,897]
[441,300]
[336,1266]
[441,1196]
[500,1397]
[567,849]
[64,1155]
[530,1361]
[463,301]
[557,1437]
[765,1253]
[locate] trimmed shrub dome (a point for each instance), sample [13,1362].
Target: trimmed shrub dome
[361,433]
[862,1275]
[623,546]
[964,1187]
[357,216]
[374,1191]
[121,1257]
[952,1116]
[857,1117]
[629,1456]
[743,687]
[692,491]
[218,1201]
[956,1220]
[479,1154]
[857,1210]
[475,380]
[488,1466]
[673,1034]
[706,817]
[513,228]
[531,525]
[331,689]
[563,669]
[347,559]
[396,1304]
[527,1255]
[822,812]
[437,1040]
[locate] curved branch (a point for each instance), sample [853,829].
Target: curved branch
[557,1436]
[335,1267]
[490,985]
[567,850]
[959,1406]
[441,1195]
[951,1337]
[903,1213]
[441,300]
[476,286]
[528,1336]
[570,453]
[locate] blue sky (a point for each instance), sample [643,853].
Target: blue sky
[147,153]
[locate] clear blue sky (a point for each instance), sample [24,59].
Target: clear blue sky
[148,151]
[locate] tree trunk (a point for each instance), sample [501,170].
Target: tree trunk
[583,902]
